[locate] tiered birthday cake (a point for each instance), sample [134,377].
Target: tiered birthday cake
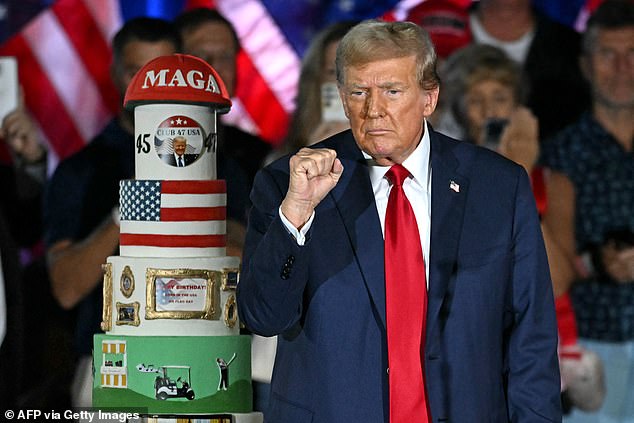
[172,345]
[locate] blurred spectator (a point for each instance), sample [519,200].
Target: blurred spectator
[20,135]
[484,90]
[318,110]
[21,286]
[210,36]
[18,132]
[597,223]
[446,22]
[547,51]
[448,26]
[83,194]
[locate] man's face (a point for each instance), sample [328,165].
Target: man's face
[179,146]
[386,107]
[610,68]
[134,56]
[214,43]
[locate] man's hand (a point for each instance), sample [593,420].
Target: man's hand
[314,172]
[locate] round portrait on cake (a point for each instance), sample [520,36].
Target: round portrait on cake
[179,141]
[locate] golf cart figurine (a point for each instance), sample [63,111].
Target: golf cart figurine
[166,387]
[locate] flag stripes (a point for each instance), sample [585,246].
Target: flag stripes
[150,251]
[49,42]
[268,67]
[169,201]
[43,101]
[93,49]
[184,214]
[199,200]
[217,186]
[171,215]
[173,241]
[218,227]
[271,121]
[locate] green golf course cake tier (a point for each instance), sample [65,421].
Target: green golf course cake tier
[172,348]
[173,374]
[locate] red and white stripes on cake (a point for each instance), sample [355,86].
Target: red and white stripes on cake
[172,218]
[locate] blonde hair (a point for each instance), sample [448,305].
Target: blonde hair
[374,40]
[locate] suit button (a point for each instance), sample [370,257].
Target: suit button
[387,370]
[286,271]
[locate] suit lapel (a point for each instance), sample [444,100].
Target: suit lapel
[354,199]
[449,194]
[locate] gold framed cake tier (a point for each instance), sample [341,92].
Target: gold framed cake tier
[190,282]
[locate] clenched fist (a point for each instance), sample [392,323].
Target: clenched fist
[313,173]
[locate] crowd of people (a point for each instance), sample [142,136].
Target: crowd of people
[524,228]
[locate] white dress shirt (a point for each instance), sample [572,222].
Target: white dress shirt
[417,189]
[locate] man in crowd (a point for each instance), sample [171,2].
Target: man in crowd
[594,155]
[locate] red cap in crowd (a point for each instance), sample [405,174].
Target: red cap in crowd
[446,22]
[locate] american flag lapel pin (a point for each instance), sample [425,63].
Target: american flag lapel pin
[454,186]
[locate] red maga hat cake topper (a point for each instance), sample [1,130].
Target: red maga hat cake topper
[178,78]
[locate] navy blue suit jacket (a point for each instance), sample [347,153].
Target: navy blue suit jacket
[490,353]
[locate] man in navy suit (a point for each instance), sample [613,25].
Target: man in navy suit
[313,265]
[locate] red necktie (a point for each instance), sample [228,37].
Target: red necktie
[406,305]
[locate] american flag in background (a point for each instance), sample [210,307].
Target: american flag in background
[63,53]
[172,216]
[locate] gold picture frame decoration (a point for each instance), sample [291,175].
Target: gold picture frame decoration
[126,282]
[128,314]
[106,314]
[231,311]
[180,294]
[230,279]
